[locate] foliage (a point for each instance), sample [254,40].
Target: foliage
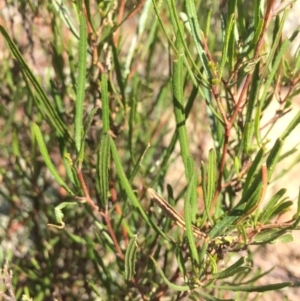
[113,111]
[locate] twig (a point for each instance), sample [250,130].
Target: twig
[85,191]
[112,233]
[104,214]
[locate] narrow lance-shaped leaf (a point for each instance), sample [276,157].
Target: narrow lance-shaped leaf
[180,288]
[247,137]
[260,289]
[43,149]
[292,125]
[253,170]
[284,206]
[192,180]
[237,165]
[130,258]
[188,220]
[258,31]
[228,33]
[157,12]
[103,160]
[63,10]
[41,100]
[204,191]
[268,209]
[86,128]
[254,91]
[81,81]
[180,261]
[195,31]
[76,238]
[211,176]
[172,6]
[179,112]
[126,186]
[138,164]
[274,157]
[208,23]
[256,198]
[232,270]
[105,104]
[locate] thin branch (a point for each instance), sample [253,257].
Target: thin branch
[86,193]
[112,233]
[104,214]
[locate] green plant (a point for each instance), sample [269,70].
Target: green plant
[101,125]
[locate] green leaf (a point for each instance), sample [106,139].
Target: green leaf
[252,200]
[43,149]
[268,236]
[195,32]
[188,220]
[248,137]
[129,192]
[269,208]
[286,238]
[105,104]
[282,207]
[41,100]
[211,176]
[254,91]
[224,223]
[65,15]
[274,156]
[80,95]
[76,238]
[292,125]
[130,258]
[86,128]
[59,214]
[179,288]
[209,185]
[103,161]
[255,166]
[94,288]
[181,261]
[178,103]
[89,121]
[228,35]
[232,270]
[157,12]
[259,289]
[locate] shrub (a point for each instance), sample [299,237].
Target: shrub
[125,104]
